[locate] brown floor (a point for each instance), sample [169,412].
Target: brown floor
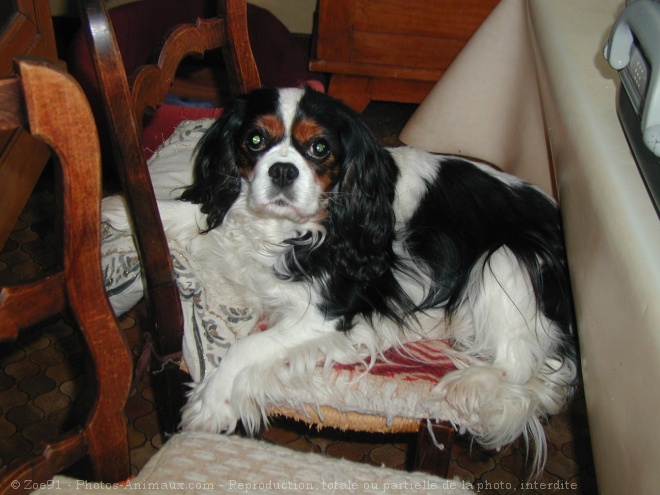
[42,385]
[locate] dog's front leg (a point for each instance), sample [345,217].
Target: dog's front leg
[255,370]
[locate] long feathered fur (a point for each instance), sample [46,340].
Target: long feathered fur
[400,238]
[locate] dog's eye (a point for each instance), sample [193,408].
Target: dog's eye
[256,141]
[319,149]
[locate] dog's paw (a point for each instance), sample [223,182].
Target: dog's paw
[209,407]
[482,401]
[469,390]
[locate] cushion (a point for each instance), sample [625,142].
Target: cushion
[161,125]
[212,323]
[193,462]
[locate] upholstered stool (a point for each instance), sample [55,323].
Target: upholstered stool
[203,462]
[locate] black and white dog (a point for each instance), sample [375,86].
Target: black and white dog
[350,248]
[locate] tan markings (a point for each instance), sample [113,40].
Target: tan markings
[326,173]
[272,125]
[304,130]
[322,214]
[246,172]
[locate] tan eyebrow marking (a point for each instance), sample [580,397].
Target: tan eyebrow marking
[305,129]
[273,125]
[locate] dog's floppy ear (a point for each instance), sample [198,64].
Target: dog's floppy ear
[361,209]
[216,181]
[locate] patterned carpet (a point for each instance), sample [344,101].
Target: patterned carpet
[43,386]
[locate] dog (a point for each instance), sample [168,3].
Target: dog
[349,248]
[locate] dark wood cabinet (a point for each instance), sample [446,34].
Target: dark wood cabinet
[391,50]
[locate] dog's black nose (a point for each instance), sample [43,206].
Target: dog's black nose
[283,174]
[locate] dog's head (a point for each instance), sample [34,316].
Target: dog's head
[295,150]
[299,155]
[304,157]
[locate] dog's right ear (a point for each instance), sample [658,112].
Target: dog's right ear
[216,181]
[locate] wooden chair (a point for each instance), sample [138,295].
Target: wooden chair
[28,31]
[125,105]
[199,87]
[124,108]
[50,104]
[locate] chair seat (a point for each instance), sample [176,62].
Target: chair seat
[392,396]
[194,462]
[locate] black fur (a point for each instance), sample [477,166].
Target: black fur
[356,259]
[468,213]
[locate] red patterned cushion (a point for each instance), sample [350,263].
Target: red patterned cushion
[422,360]
[164,120]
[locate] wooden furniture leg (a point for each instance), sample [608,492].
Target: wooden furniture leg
[355,91]
[434,445]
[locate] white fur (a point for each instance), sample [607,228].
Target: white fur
[298,205]
[416,167]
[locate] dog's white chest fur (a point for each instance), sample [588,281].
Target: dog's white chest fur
[243,253]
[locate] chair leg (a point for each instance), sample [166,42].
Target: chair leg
[170,385]
[434,446]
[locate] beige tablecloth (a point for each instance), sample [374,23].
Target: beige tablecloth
[532,93]
[487,104]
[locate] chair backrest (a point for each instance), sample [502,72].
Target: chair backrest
[49,103]
[228,31]
[124,107]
